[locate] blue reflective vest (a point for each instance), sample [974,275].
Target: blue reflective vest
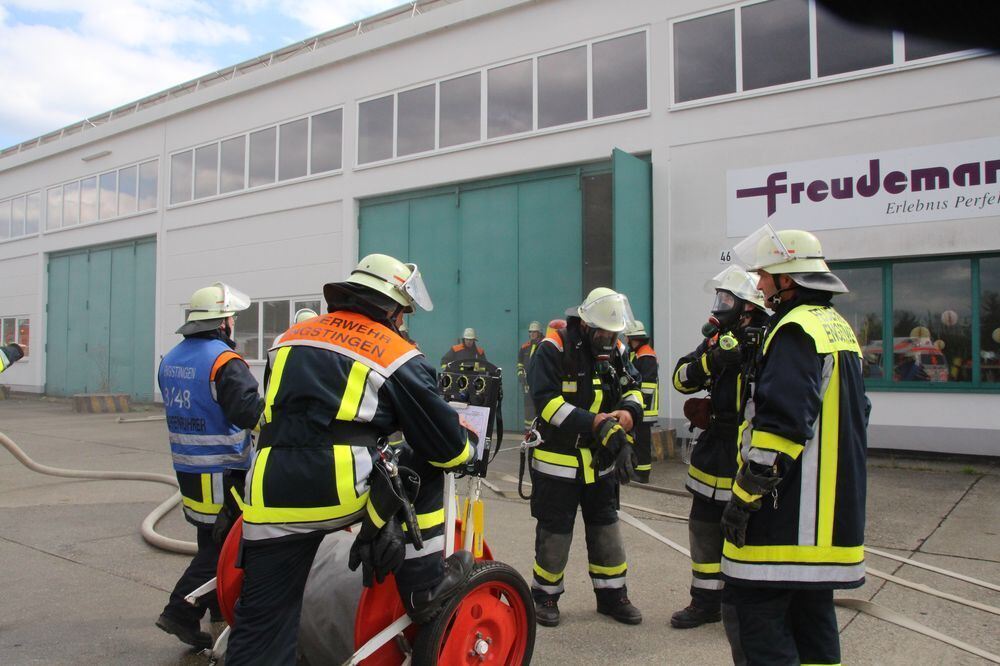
[202,440]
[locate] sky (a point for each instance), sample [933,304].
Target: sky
[65,60]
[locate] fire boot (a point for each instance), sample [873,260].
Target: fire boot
[189,633]
[694,616]
[614,602]
[547,612]
[423,605]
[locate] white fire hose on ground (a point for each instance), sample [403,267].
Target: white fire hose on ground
[148,527]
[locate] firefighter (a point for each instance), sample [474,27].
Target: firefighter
[10,354]
[719,365]
[212,402]
[588,400]
[794,527]
[643,358]
[334,385]
[523,358]
[466,350]
[303,314]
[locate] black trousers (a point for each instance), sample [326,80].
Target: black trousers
[777,626]
[643,450]
[705,535]
[201,570]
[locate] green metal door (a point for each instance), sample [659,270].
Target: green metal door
[434,247]
[101,311]
[632,205]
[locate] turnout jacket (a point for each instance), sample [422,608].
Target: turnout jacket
[460,353]
[568,391]
[645,363]
[713,458]
[809,428]
[9,354]
[334,385]
[524,358]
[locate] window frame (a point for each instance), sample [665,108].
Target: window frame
[886,383]
[483,72]
[18,318]
[97,202]
[261,358]
[42,213]
[899,62]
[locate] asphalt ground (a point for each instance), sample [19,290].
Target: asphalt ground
[79,585]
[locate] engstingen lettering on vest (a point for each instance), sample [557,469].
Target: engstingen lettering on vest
[354,335]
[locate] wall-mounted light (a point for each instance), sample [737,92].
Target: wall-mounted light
[94,156]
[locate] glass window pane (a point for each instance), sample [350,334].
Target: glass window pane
[931,321]
[9,330]
[108,194]
[4,219]
[128,183]
[32,213]
[775,43]
[415,121]
[53,208]
[620,75]
[206,171]
[460,110]
[862,308]
[88,198]
[180,177]
[17,217]
[71,203]
[24,335]
[598,240]
[918,46]
[508,99]
[562,87]
[147,184]
[327,141]
[843,46]
[313,305]
[262,158]
[293,142]
[233,167]
[705,57]
[375,130]
[989,320]
[275,321]
[247,332]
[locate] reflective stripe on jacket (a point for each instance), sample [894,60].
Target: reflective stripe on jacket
[646,364]
[810,423]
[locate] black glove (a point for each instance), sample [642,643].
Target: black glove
[625,464]
[754,480]
[380,556]
[735,517]
[223,523]
[615,447]
[232,480]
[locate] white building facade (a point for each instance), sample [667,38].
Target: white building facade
[522,152]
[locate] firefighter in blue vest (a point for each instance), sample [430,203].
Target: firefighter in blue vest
[10,354]
[212,402]
[524,355]
[643,358]
[588,399]
[795,524]
[334,386]
[720,365]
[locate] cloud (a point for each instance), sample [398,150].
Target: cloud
[321,15]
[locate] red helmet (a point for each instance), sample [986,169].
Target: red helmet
[555,325]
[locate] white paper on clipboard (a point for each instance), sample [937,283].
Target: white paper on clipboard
[478,418]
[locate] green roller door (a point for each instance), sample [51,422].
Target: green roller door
[101,311]
[435,247]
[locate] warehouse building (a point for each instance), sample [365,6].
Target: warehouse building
[522,152]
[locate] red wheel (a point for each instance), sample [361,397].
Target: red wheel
[491,620]
[229,579]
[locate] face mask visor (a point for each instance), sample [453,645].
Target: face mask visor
[415,288]
[611,313]
[761,249]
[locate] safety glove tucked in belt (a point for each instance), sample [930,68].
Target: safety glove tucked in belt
[233,481]
[615,446]
[380,545]
[749,487]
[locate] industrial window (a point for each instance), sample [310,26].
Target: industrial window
[326,140]
[16,329]
[54,208]
[17,217]
[293,149]
[32,213]
[88,199]
[148,176]
[942,315]
[107,195]
[758,46]
[206,171]
[124,191]
[71,203]
[262,158]
[5,207]
[128,185]
[259,325]
[232,165]
[604,79]
[181,172]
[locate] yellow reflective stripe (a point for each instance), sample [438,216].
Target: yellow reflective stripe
[4,361]
[353,393]
[772,442]
[635,393]
[616,570]
[806,554]
[557,458]
[707,568]
[206,505]
[704,364]
[828,457]
[547,575]
[373,515]
[426,521]
[677,378]
[318,514]
[236,496]
[551,407]
[457,460]
[343,468]
[586,459]
[704,477]
[744,495]
[643,468]
[819,664]
[274,380]
[257,482]
[598,399]
[615,428]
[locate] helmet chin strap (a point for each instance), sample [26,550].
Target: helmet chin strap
[775,298]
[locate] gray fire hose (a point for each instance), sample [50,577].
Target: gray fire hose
[148,527]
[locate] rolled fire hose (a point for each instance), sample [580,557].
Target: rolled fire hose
[148,527]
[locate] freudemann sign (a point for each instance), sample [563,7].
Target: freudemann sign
[942,182]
